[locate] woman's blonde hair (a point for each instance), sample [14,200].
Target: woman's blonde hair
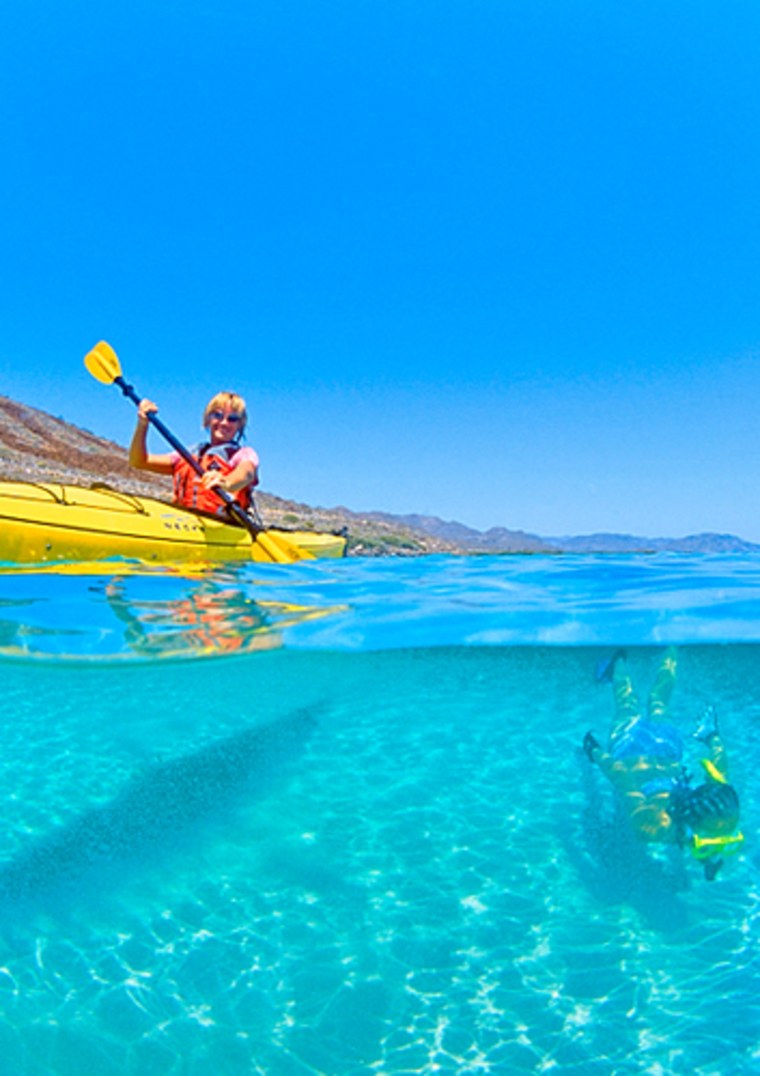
[232,402]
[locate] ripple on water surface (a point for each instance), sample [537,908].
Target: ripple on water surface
[127,610]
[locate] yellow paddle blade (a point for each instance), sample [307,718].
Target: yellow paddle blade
[103,363]
[280,550]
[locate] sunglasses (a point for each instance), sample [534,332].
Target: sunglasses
[219,416]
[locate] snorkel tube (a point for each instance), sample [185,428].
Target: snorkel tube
[704,847]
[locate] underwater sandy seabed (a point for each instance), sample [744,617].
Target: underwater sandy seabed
[299,862]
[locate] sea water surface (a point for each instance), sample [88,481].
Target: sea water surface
[334,818]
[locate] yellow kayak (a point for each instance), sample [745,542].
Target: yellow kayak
[50,522]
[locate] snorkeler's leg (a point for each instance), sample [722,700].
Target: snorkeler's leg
[707,733]
[718,756]
[627,711]
[662,689]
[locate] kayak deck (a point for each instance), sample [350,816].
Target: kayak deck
[46,521]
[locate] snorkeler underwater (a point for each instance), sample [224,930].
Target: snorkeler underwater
[644,762]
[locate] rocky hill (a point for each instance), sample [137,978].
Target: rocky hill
[36,447]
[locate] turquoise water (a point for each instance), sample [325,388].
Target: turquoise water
[334,819]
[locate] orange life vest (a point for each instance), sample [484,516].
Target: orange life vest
[188,490]
[224,621]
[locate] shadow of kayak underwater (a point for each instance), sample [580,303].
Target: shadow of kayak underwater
[168,802]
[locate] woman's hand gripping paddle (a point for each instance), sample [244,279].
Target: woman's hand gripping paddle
[103,363]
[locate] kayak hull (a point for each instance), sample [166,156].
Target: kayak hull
[43,522]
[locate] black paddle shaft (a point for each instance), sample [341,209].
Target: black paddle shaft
[233,507]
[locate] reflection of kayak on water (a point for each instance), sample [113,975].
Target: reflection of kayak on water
[206,613]
[47,522]
[206,621]
[213,621]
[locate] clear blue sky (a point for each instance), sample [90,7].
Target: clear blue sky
[493,260]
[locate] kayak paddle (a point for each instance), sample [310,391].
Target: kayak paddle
[103,363]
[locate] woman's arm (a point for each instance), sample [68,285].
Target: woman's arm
[139,456]
[244,473]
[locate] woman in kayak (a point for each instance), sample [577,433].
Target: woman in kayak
[226,463]
[643,762]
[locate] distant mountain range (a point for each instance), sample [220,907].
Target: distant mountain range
[495,540]
[628,543]
[502,540]
[36,447]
